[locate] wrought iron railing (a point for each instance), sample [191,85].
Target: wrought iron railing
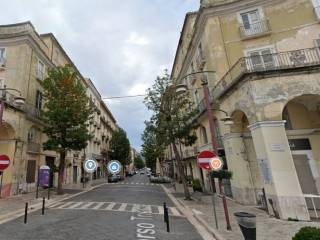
[268,62]
[253,29]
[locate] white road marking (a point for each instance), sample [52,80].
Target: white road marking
[99,205]
[123,207]
[160,209]
[111,205]
[76,205]
[66,204]
[87,205]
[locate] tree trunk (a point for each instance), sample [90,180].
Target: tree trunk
[61,172]
[181,173]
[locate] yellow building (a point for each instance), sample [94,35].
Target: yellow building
[266,59]
[25,57]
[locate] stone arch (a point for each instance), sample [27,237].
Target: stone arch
[241,122]
[302,112]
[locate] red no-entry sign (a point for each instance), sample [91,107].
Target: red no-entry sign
[210,161]
[4,162]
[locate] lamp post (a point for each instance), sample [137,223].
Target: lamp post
[18,101]
[228,121]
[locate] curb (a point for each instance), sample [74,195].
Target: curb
[200,220]
[37,206]
[206,235]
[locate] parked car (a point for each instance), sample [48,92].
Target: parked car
[113,178]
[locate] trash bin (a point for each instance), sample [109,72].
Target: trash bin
[247,223]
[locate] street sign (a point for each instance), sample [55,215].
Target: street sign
[4,162]
[114,167]
[210,161]
[90,165]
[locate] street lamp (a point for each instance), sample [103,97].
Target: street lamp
[17,101]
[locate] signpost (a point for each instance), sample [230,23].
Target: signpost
[211,162]
[4,164]
[114,167]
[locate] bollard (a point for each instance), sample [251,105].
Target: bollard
[164,211]
[43,204]
[168,225]
[26,213]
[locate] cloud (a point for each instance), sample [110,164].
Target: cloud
[121,45]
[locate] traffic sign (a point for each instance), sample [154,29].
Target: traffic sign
[90,165]
[4,162]
[210,161]
[114,167]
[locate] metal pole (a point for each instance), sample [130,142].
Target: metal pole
[213,140]
[1,173]
[214,205]
[26,213]
[2,109]
[37,191]
[43,204]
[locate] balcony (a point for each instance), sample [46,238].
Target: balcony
[270,63]
[255,29]
[33,147]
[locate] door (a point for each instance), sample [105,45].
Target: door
[305,176]
[261,59]
[75,174]
[31,171]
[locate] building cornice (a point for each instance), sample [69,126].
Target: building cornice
[262,124]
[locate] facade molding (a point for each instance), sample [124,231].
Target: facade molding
[261,124]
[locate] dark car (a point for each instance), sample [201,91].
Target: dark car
[113,178]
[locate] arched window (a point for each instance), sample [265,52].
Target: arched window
[204,136]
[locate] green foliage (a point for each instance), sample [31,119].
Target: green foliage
[196,185]
[138,162]
[222,174]
[308,233]
[66,111]
[120,147]
[152,147]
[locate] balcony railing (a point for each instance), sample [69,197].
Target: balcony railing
[33,147]
[249,30]
[266,63]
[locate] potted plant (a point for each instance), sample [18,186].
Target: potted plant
[196,185]
[307,233]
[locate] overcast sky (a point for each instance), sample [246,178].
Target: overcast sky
[121,45]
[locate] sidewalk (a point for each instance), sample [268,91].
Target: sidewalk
[267,227]
[14,206]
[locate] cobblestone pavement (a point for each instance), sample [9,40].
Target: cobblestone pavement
[267,227]
[111,211]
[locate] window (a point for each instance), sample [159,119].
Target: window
[261,59]
[40,70]
[204,135]
[196,97]
[2,56]
[316,5]
[252,22]
[38,102]
[200,58]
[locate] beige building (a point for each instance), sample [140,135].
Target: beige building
[266,59]
[25,57]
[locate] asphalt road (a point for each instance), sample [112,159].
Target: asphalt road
[131,209]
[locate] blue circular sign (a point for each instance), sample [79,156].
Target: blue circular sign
[114,167]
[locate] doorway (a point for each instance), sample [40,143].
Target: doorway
[303,162]
[75,174]
[50,164]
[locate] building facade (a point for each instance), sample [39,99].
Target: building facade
[25,57]
[261,59]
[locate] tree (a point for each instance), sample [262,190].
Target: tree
[172,119]
[67,110]
[120,147]
[152,147]
[138,162]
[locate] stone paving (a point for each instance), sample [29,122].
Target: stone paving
[267,227]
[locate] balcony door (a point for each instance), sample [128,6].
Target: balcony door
[316,5]
[261,59]
[252,22]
